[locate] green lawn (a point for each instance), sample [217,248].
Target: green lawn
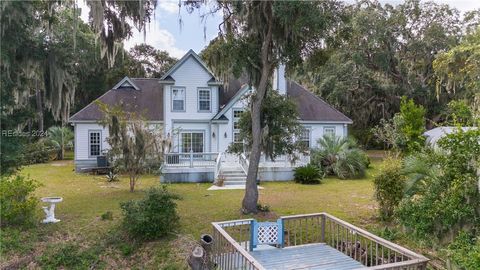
[87,197]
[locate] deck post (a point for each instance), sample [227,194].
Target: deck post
[323,229]
[252,235]
[191,158]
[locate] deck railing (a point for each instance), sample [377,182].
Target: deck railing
[232,238]
[372,251]
[230,246]
[190,159]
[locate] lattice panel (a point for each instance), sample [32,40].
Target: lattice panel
[267,234]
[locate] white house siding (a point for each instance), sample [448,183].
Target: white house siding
[226,130]
[82,159]
[317,131]
[182,126]
[190,75]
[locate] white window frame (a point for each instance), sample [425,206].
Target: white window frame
[180,144]
[209,99]
[308,138]
[184,97]
[235,120]
[90,131]
[325,129]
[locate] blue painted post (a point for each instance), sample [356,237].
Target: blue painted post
[281,233]
[252,234]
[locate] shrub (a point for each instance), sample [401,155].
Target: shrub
[153,216]
[17,204]
[389,185]
[464,252]
[39,152]
[340,156]
[308,175]
[446,202]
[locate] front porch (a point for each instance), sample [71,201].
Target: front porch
[209,167]
[313,241]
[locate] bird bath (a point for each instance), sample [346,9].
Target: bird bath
[50,211]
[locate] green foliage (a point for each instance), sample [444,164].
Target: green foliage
[68,256]
[152,217]
[459,113]
[133,145]
[154,62]
[107,215]
[41,151]
[280,127]
[379,53]
[61,138]
[464,252]
[389,133]
[404,132]
[18,205]
[340,156]
[448,200]
[308,174]
[16,240]
[457,70]
[413,124]
[389,185]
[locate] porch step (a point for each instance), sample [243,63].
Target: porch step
[233,175]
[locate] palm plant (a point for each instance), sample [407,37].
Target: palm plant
[61,138]
[417,168]
[340,156]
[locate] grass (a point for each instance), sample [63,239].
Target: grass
[87,198]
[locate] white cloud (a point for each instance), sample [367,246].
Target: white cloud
[169,6]
[158,38]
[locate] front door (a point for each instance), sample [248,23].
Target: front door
[192,141]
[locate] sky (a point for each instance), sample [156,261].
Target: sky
[165,32]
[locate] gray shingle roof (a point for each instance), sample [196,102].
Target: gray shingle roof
[148,101]
[311,107]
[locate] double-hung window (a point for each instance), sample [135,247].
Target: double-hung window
[237,113]
[329,131]
[178,99]
[94,142]
[305,138]
[204,100]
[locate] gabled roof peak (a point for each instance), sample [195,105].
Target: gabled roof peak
[190,53]
[126,82]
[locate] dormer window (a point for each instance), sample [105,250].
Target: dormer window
[178,99]
[204,100]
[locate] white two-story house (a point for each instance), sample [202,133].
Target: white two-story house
[200,114]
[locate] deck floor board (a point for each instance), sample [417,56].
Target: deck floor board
[314,256]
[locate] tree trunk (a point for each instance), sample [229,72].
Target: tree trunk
[132,183]
[38,100]
[250,201]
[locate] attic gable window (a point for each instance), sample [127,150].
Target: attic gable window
[126,85]
[178,99]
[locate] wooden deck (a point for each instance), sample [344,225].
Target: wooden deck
[311,256]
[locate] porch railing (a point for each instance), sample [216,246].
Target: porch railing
[218,165]
[244,163]
[190,159]
[370,250]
